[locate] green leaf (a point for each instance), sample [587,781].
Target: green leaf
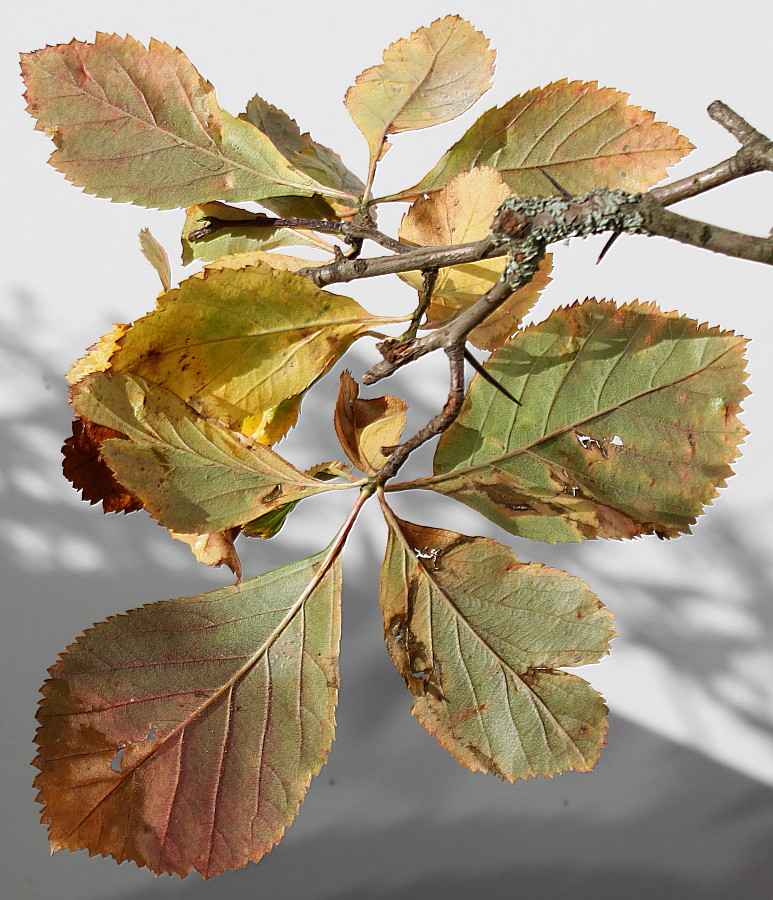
[431,77]
[477,634]
[184,734]
[142,125]
[242,344]
[586,137]
[315,160]
[628,425]
[191,473]
[245,239]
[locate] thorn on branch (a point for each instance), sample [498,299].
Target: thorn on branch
[487,376]
[561,190]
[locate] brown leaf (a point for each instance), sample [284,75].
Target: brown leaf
[366,427]
[85,467]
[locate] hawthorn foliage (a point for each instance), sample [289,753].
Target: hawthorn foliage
[183,735]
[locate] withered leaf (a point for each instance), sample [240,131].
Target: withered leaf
[628,425]
[478,636]
[85,467]
[463,212]
[184,734]
[431,77]
[366,427]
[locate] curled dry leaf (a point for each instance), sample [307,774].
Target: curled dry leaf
[627,425]
[214,549]
[366,427]
[431,77]
[462,212]
[477,635]
[193,474]
[141,125]
[585,136]
[238,240]
[184,734]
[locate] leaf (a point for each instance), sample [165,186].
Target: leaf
[585,136]
[97,357]
[463,212]
[477,634]
[214,549]
[271,523]
[155,254]
[238,343]
[238,240]
[142,125]
[628,425]
[366,427]
[304,154]
[191,473]
[429,78]
[183,735]
[85,467]
[256,257]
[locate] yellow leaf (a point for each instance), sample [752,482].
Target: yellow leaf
[253,257]
[462,212]
[155,254]
[431,77]
[365,427]
[237,343]
[97,357]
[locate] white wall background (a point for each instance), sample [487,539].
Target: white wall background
[682,802]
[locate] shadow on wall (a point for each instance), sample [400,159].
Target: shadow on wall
[391,814]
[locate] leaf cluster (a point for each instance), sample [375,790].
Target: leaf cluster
[183,735]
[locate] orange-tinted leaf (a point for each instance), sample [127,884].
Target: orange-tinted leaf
[462,212]
[627,425]
[431,77]
[585,136]
[141,125]
[366,427]
[85,466]
[184,734]
[477,635]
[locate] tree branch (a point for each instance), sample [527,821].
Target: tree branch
[437,425]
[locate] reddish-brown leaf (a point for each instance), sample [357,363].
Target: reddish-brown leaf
[85,467]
